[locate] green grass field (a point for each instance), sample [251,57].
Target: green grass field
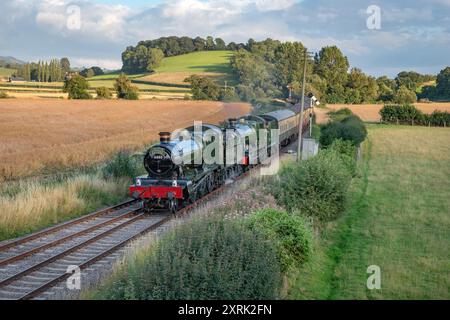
[5,72]
[202,61]
[398,219]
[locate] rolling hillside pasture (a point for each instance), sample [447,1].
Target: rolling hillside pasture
[6,72]
[397,219]
[213,64]
[370,112]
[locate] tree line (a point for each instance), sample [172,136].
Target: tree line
[273,69]
[45,71]
[147,55]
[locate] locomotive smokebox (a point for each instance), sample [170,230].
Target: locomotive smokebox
[164,137]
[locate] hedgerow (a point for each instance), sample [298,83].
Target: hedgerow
[316,187]
[408,114]
[350,128]
[210,258]
[289,233]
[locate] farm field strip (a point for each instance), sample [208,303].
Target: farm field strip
[38,134]
[370,112]
[397,219]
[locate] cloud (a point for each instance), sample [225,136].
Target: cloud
[38,29]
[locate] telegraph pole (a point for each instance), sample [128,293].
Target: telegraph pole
[300,125]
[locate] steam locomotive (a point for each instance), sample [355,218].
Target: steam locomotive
[178,176]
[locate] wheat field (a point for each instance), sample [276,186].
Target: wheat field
[46,135]
[370,112]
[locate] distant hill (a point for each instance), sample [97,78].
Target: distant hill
[211,64]
[10,60]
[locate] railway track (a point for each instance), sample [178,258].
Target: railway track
[31,266]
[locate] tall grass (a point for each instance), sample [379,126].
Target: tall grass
[31,205]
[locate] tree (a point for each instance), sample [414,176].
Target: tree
[404,96]
[220,44]
[103,93]
[210,43]
[77,87]
[203,88]
[124,88]
[332,65]
[199,44]
[386,88]
[65,65]
[443,84]
[155,57]
[290,57]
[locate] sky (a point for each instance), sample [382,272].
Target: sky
[382,37]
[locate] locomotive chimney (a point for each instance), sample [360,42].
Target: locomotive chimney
[164,137]
[232,122]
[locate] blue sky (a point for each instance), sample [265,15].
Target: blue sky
[414,35]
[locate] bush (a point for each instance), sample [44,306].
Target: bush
[289,233]
[209,258]
[124,88]
[103,93]
[347,152]
[316,187]
[404,95]
[3,95]
[122,165]
[350,128]
[340,114]
[204,88]
[408,114]
[77,87]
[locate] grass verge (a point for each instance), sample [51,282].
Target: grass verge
[397,219]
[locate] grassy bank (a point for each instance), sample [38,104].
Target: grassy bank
[32,204]
[397,218]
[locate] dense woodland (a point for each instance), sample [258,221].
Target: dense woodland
[267,69]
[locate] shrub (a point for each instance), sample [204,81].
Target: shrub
[289,233]
[103,93]
[408,114]
[203,88]
[316,187]
[350,128]
[209,258]
[124,88]
[340,114]
[3,95]
[404,95]
[122,165]
[77,87]
[347,152]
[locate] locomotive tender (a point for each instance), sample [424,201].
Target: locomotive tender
[178,173]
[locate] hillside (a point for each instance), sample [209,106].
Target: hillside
[213,64]
[6,72]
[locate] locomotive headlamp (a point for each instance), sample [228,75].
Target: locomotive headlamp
[138,182]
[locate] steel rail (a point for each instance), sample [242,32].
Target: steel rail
[92,260]
[56,242]
[41,264]
[61,226]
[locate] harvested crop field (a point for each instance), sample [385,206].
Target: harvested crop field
[370,112]
[45,135]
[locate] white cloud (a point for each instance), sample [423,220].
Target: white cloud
[110,64]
